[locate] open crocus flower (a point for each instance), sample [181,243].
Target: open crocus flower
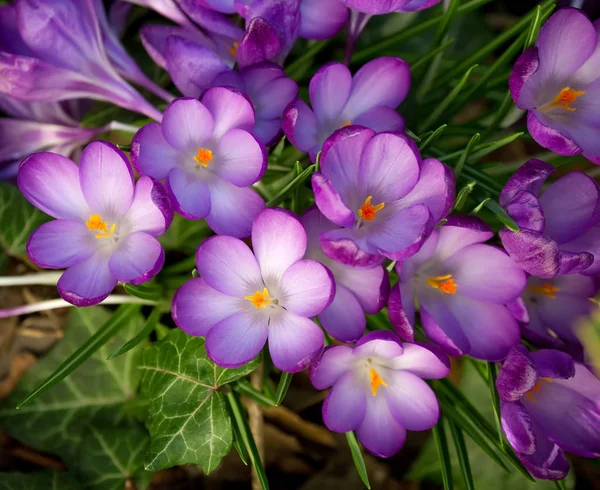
[357,290]
[377,389]
[559,229]
[549,404]
[384,198]
[106,225]
[338,100]
[208,157]
[242,298]
[550,309]
[558,82]
[462,286]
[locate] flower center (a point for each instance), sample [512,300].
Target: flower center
[346,124]
[376,381]
[537,388]
[367,211]
[96,223]
[203,157]
[547,289]
[233,48]
[564,98]
[445,284]
[260,299]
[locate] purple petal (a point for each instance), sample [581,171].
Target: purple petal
[375,7]
[551,138]
[525,66]
[223,6]
[330,203]
[329,90]
[10,38]
[237,339]
[197,307]
[227,265]
[379,343]
[210,20]
[401,313]
[456,235]
[166,8]
[259,43]
[517,376]
[321,19]
[344,319]
[269,89]
[150,210]
[331,366]
[188,125]
[340,246]
[379,432]
[553,364]
[381,118]
[525,209]
[87,283]
[106,179]
[300,126]
[425,361]
[189,194]
[139,257]
[411,402]
[46,245]
[51,183]
[345,405]
[548,461]
[441,326]
[518,427]
[588,242]
[307,288]
[229,109]
[294,342]
[530,177]
[151,154]
[240,158]
[537,254]
[370,286]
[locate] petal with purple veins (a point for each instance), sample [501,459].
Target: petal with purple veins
[188,125]
[189,193]
[137,257]
[87,283]
[380,433]
[331,366]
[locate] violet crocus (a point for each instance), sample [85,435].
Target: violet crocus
[558,82]
[549,404]
[57,54]
[243,298]
[209,159]
[383,197]
[551,309]
[357,290]
[462,286]
[559,227]
[338,99]
[106,225]
[377,389]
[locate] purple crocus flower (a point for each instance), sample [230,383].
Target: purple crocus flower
[558,82]
[384,198]
[559,229]
[57,54]
[244,297]
[550,309]
[378,7]
[209,159]
[462,286]
[549,404]
[108,223]
[338,100]
[357,290]
[377,389]
[322,19]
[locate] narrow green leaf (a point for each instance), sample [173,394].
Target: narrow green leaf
[237,444]
[150,291]
[492,370]
[183,267]
[295,204]
[241,422]
[418,139]
[499,115]
[463,455]
[295,182]
[439,436]
[276,152]
[474,141]
[358,459]
[300,63]
[487,148]
[431,55]
[442,29]
[502,215]
[560,484]
[244,388]
[433,138]
[462,195]
[282,387]
[140,337]
[534,28]
[117,321]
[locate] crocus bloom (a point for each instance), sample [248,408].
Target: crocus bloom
[106,225]
[558,82]
[321,19]
[368,99]
[550,309]
[243,297]
[549,404]
[462,286]
[559,229]
[208,157]
[57,54]
[384,198]
[357,290]
[377,389]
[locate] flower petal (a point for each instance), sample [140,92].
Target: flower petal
[229,109]
[150,210]
[189,193]
[329,90]
[259,43]
[380,433]
[331,366]
[526,65]
[345,405]
[548,461]
[87,283]
[530,177]
[401,312]
[517,376]
[550,138]
[341,246]
[321,19]
[553,364]
[307,288]
[187,125]
[344,319]
[443,327]
[330,203]
[370,286]
[299,124]
[379,343]
[537,254]
[240,158]
[381,118]
[425,361]
[518,427]
[151,154]
[139,257]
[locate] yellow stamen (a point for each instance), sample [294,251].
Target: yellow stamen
[233,48]
[346,124]
[537,388]
[203,157]
[259,299]
[564,98]
[445,284]
[547,289]
[376,381]
[367,211]
[96,223]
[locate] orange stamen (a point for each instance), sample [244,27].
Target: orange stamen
[233,48]
[376,381]
[367,211]
[547,289]
[537,388]
[445,284]
[346,124]
[96,223]
[259,299]
[564,98]
[203,157]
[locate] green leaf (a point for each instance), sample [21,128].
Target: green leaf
[358,459]
[492,370]
[118,320]
[187,417]
[280,196]
[473,142]
[534,28]
[184,235]
[462,455]
[422,60]
[40,480]
[282,387]
[502,215]
[150,291]
[55,421]
[439,436]
[244,388]
[462,195]
[433,137]
[110,458]
[140,337]
[18,218]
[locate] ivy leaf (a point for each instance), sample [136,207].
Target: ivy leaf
[187,418]
[48,480]
[18,218]
[56,420]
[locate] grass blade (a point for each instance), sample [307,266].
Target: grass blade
[150,290]
[534,27]
[492,371]
[439,436]
[463,455]
[246,389]
[117,321]
[473,142]
[282,387]
[358,459]
[462,195]
[487,148]
[140,337]
[300,63]
[560,484]
[237,444]
[431,55]
[433,137]
[280,196]
[502,215]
